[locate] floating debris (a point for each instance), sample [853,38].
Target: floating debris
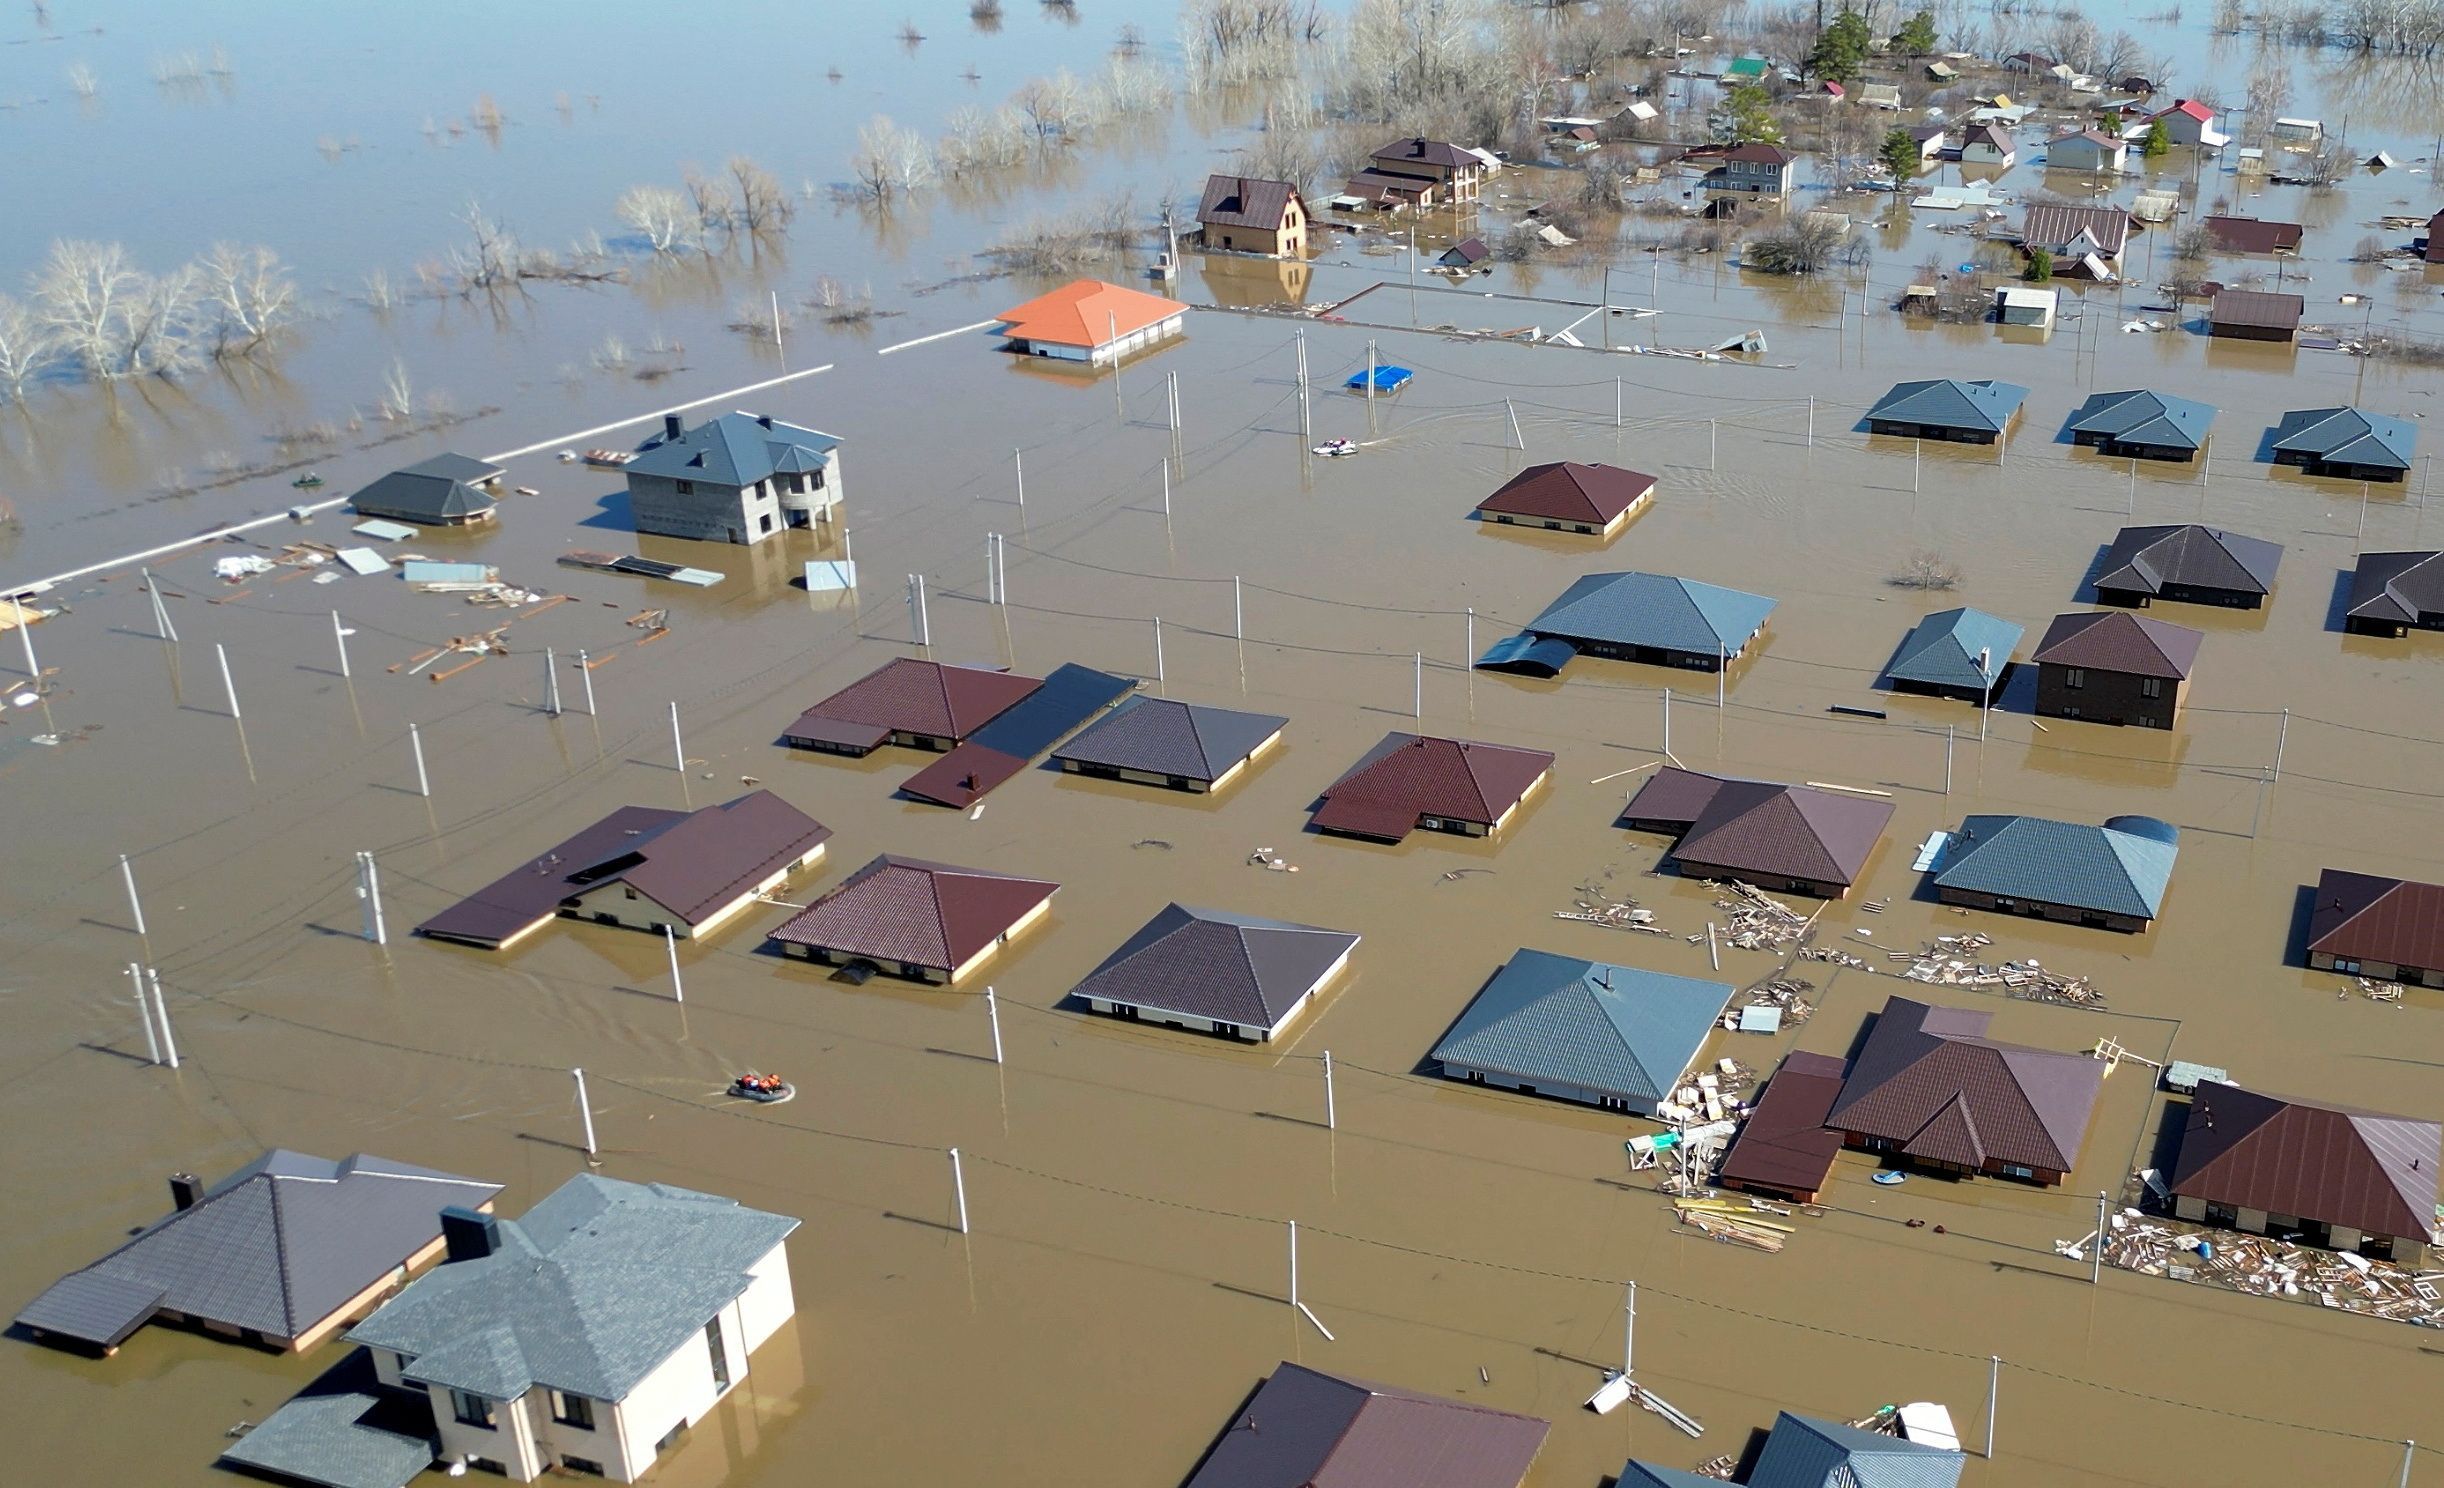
[2153,1245]
[1265,857]
[1790,994]
[1758,922]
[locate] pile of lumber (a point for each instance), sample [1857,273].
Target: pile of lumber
[1951,961]
[1787,993]
[2266,1267]
[1736,1222]
[1757,922]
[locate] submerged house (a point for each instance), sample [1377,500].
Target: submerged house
[684,873]
[1165,742]
[2254,315]
[2393,594]
[2346,443]
[1960,653]
[2187,122]
[2252,235]
[1803,1452]
[1784,1150]
[1987,144]
[1410,782]
[2335,1177]
[1252,215]
[1652,618]
[1092,322]
[1567,496]
[1209,971]
[2072,233]
[2387,929]
[1929,1088]
[912,703]
[2142,425]
[282,1253]
[1587,1031]
[1978,412]
[739,478]
[1419,172]
[2111,877]
[2187,563]
[444,491]
[1303,1428]
[2106,666]
[1784,838]
[1760,168]
[927,922]
[2090,150]
[1002,750]
[1463,255]
[588,1336]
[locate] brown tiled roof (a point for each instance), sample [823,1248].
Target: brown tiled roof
[1245,201]
[2056,225]
[923,914]
[2253,235]
[1786,831]
[2371,1172]
[1567,491]
[2362,917]
[1759,154]
[1673,795]
[2117,641]
[1426,152]
[1408,776]
[2252,307]
[1930,1081]
[918,697]
[1304,1428]
[1785,1144]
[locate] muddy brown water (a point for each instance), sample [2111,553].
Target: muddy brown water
[1122,1288]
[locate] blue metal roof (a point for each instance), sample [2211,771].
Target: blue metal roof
[2111,869]
[1562,1020]
[1643,609]
[2347,436]
[1649,1475]
[1388,379]
[1069,697]
[1801,1452]
[2142,417]
[1529,653]
[736,449]
[1942,650]
[1949,403]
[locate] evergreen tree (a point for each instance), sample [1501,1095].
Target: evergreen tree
[1841,48]
[1900,154]
[1916,38]
[2159,140]
[1752,119]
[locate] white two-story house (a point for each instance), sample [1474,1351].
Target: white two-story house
[590,1335]
[739,478]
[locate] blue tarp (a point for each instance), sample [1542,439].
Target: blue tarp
[1387,379]
[1529,653]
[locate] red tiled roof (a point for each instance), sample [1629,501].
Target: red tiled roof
[2371,1172]
[917,697]
[1408,776]
[1245,201]
[1567,491]
[2117,641]
[919,913]
[1785,1145]
[2362,917]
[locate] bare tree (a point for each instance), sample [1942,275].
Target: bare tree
[763,204]
[114,319]
[891,160]
[710,196]
[489,257]
[26,347]
[81,78]
[380,296]
[1804,244]
[662,215]
[974,140]
[250,295]
[1925,568]
[398,393]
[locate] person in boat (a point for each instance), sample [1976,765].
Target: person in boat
[761,1084]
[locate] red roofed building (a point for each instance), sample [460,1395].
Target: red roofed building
[1091,321]
[2111,667]
[928,922]
[914,704]
[1409,782]
[1566,496]
[2272,1165]
[1928,1086]
[2391,929]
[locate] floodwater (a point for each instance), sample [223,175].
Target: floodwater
[1123,1285]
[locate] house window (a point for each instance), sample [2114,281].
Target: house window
[2074,677]
[585,1467]
[2348,968]
[720,1354]
[2017,1170]
[686,488]
[573,1410]
[766,523]
[2151,687]
[1228,1030]
[471,1410]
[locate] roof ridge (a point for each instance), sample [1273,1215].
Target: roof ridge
[1468,769]
[1239,934]
[1196,733]
[280,1256]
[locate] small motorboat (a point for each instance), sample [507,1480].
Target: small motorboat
[1333,449]
[307,482]
[1889,1177]
[764,1090]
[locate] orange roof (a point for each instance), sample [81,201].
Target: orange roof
[1087,313]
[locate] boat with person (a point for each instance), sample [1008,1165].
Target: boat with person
[764,1090]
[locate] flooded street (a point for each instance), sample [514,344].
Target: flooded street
[1124,1284]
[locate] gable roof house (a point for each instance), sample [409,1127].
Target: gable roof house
[2347,443]
[1567,496]
[1577,1030]
[1210,971]
[1803,1452]
[1753,167]
[913,703]
[928,922]
[283,1253]
[1987,144]
[2111,877]
[1930,1088]
[1885,96]
[2254,315]
[1408,782]
[1784,1149]
[2346,1179]
[2252,235]
[1165,742]
[1960,653]
[2107,666]
[444,491]
[2389,929]
[1250,215]
[2090,150]
[1978,412]
[2142,425]
[2189,564]
[1087,320]
[1652,618]
[647,868]
[2070,233]
[739,478]
[587,1336]
[2187,122]
[1792,838]
[2395,593]
[1304,1428]
[1420,172]
[1465,254]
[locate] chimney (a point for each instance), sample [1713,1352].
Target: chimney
[186,1191]
[468,1235]
[673,427]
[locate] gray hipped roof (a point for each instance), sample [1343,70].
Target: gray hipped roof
[1643,609]
[736,449]
[343,1431]
[1561,1020]
[2158,420]
[1206,963]
[2400,588]
[441,489]
[2347,436]
[598,1284]
[1802,1452]
[2146,559]
[1985,406]
[276,1247]
[1162,736]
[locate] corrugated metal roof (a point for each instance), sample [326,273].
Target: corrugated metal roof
[1567,491]
[1208,963]
[2118,641]
[1245,201]
[2060,227]
[1942,649]
[2366,917]
[2145,417]
[2398,587]
[2372,1172]
[1802,1452]
[2253,234]
[915,912]
[2346,435]
[1163,736]
[1985,405]
[2143,560]
[1784,1144]
[2057,862]
[1407,776]
[736,449]
[1307,1429]
[2256,308]
[1563,1020]
[1656,610]
[1928,1079]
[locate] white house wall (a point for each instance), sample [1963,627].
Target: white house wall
[769,1300]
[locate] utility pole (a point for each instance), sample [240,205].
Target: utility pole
[161,1009]
[1417,697]
[1811,421]
[1667,723]
[1629,1332]
[586,673]
[25,637]
[992,1014]
[2096,1257]
[1018,466]
[127,873]
[1947,759]
[2281,735]
[339,633]
[161,612]
[1332,1120]
[1517,438]
[678,990]
[415,744]
[369,888]
[1158,650]
[585,1110]
[551,682]
[678,747]
[144,1009]
[958,1189]
[1994,1379]
[1238,611]
[231,687]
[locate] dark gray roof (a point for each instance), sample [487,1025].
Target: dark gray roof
[456,467]
[1949,403]
[736,449]
[441,489]
[1207,963]
[1801,1452]
[599,1283]
[343,1431]
[2145,417]
[1563,1020]
[1644,609]
[276,1247]
[2143,560]
[2347,436]
[1304,1428]
[2398,587]
[1162,736]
